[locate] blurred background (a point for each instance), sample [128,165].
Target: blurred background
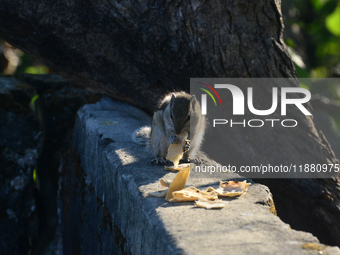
[312,33]
[13,61]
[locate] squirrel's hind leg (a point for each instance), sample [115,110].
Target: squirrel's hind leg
[158,140]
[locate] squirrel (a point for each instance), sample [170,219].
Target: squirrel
[173,116]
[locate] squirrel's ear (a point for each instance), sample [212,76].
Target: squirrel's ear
[172,98]
[192,98]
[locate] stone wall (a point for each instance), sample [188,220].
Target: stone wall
[106,209]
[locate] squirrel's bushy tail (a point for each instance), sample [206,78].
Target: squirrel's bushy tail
[142,136]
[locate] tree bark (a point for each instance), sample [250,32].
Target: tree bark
[137,51]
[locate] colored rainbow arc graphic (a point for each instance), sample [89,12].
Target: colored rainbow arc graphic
[209,93]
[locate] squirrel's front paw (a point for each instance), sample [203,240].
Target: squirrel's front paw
[185,160]
[174,139]
[186,146]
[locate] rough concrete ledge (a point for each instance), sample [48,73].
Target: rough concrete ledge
[116,216]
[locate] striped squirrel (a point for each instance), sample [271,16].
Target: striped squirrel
[174,114]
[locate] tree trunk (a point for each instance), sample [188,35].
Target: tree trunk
[137,51]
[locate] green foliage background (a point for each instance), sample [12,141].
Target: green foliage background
[313,33]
